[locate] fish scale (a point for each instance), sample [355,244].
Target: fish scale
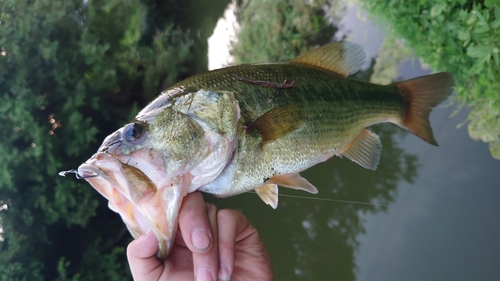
[314,89]
[335,110]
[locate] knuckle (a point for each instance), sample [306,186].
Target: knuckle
[227,214]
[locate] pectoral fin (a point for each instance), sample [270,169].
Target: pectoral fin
[364,150]
[278,122]
[294,181]
[269,194]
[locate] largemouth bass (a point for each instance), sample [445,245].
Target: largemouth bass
[252,127]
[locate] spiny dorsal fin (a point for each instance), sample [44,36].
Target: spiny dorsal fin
[278,122]
[294,181]
[269,194]
[342,58]
[364,150]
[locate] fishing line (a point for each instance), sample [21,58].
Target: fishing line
[329,199]
[462,214]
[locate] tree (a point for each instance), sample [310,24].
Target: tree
[277,31]
[70,73]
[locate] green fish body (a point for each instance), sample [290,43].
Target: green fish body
[252,127]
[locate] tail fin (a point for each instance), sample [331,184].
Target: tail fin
[422,94]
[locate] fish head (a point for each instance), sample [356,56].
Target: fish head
[147,167]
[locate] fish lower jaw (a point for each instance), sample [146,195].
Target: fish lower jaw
[153,215]
[157,212]
[139,223]
[164,239]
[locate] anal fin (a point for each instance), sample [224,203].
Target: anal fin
[364,150]
[294,181]
[269,194]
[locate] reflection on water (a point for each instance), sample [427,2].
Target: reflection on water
[200,18]
[219,43]
[3,206]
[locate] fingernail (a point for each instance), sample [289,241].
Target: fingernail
[224,274]
[204,274]
[146,234]
[200,238]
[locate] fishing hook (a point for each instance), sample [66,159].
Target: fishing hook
[78,176]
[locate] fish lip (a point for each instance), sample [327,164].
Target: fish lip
[88,171]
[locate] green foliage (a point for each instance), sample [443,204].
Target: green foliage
[276,31]
[70,73]
[167,47]
[105,266]
[386,64]
[462,37]
[490,3]
[495,149]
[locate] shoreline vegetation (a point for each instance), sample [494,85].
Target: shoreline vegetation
[461,37]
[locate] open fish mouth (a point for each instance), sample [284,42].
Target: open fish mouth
[138,199]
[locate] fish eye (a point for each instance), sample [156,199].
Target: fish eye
[134,132]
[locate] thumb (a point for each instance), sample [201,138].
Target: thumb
[141,255]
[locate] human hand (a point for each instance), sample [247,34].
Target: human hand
[211,244]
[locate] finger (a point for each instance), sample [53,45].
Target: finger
[227,222]
[196,230]
[141,255]
[194,224]
[206,264]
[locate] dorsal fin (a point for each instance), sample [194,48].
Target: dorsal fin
[278,122]
[342,58]
[364,150]
[294,181]
[269,194]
